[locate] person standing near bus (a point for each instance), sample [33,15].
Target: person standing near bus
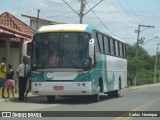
[22,71]
[28,89]
[3,75]
[9,81]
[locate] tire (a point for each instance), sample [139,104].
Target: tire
[111,94]
[95,98]
[114,94]
[51,98]
[117,93]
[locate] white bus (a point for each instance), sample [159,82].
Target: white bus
[75,60]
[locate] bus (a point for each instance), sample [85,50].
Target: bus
[84,62]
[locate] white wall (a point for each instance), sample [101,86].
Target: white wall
[13,58]
[2,53]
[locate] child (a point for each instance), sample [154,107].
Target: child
[10,81]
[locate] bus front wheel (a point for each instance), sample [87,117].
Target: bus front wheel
[95,97]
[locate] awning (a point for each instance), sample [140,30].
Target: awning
[8,34]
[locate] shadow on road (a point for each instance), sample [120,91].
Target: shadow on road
[64,100]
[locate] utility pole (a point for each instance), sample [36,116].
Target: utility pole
[81,14]
[155,71]
[137,45]
[139,41]
[37,19]
[81,11]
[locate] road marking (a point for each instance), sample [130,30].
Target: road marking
[144,106]
[140,108]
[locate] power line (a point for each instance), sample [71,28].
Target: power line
[100,20]
[121,13]
[139,15]
[133,11]
[71,7]
[48,9]
[126,10]
[81,14]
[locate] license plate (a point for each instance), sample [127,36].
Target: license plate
[58,87]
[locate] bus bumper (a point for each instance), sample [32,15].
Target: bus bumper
[62,88]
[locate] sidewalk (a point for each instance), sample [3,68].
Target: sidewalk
[141,86]
[5,93]
[6,99]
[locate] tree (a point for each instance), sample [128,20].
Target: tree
[141,65]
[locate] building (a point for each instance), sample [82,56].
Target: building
[41,22]
[13,32]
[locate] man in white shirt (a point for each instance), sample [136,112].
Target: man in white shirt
[22,71]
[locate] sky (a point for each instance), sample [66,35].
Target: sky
[118,17]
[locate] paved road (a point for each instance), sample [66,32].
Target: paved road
[145,98]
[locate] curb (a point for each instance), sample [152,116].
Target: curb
[142,86]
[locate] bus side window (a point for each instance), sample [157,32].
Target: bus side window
[116,48]
[112,47]
[121,49]
[124,50]
[96,43]
[106,45]
[100,39]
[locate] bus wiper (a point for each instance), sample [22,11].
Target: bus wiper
[68,58]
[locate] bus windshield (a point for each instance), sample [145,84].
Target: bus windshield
[60,50]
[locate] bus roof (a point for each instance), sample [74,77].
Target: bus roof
[66,28]
[72,28]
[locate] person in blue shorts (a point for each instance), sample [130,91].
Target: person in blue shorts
[3,75]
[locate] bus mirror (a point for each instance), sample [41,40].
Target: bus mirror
[26,49]
[87,62]
[91,50]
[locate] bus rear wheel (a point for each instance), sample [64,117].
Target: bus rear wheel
[51,98]
[117,93]
[114,94]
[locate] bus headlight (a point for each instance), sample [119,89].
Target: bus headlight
[37,84]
